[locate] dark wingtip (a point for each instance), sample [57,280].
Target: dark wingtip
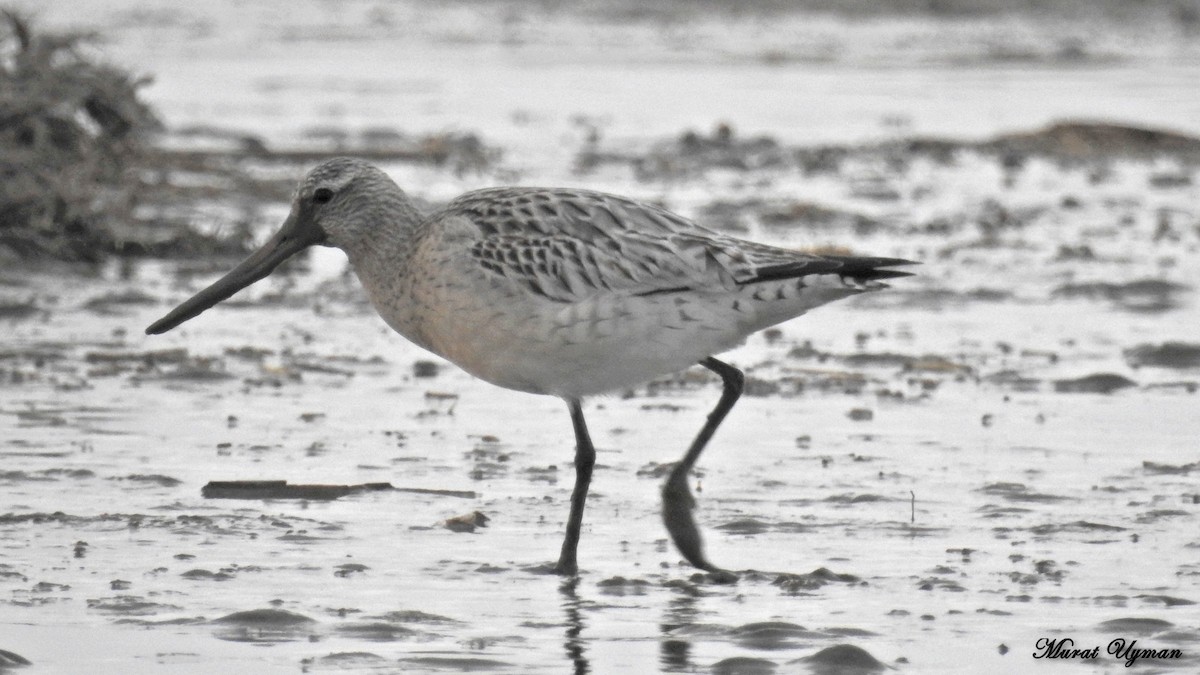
[877,274]
[870,268]
[854,267]
[857,262]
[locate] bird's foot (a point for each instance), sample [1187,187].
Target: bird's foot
[677,506]
[561,568]
[566,565]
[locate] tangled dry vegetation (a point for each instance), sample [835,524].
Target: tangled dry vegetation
[70,129]
[82,176]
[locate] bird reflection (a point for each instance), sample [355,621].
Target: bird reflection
[573,641]
[675,654]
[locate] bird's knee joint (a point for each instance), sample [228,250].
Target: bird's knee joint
[737,381]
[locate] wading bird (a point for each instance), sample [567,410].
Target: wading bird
[561,292]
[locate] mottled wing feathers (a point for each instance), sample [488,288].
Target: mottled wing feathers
[567,245]
[566,269]
[592,217]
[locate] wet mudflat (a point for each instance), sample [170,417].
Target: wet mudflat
[931,478]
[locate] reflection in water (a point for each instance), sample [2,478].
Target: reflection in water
[573,643]
[675,654]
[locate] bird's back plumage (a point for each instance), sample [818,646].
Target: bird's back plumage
[574,292]
[567,245]
[565,291]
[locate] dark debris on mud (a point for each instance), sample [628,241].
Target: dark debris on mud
[70,128]
[89,172]
[797,584]
[237,173]
[214,525]
[1141,295]
[1068,143]
[281,489]
[246,176]
[1164,355]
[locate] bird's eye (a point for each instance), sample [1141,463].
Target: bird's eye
[322,195]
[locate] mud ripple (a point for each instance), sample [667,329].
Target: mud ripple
[795,584]
[454,664]
[347,661]
[1018,492]
[129,605]
[264,626]
[844,659]
[376,631]
[1140,626]
[1096,383]
[620,586]
[1165,355]
[418,617]
[772,635]
[1141,296]
[744,665]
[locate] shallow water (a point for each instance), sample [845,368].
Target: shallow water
[534,82]
[919,443]
[962,535]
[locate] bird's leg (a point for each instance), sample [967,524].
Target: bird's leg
[585,459]
[677,497]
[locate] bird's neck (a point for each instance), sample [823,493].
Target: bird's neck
[387,235]
[382,262]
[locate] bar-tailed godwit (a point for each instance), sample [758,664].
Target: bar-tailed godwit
[556,291]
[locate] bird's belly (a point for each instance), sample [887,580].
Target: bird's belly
[597,345]
[501,333]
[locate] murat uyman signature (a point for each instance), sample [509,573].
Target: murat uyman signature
[1126,650]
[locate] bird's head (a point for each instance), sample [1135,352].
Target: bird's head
[339,203]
